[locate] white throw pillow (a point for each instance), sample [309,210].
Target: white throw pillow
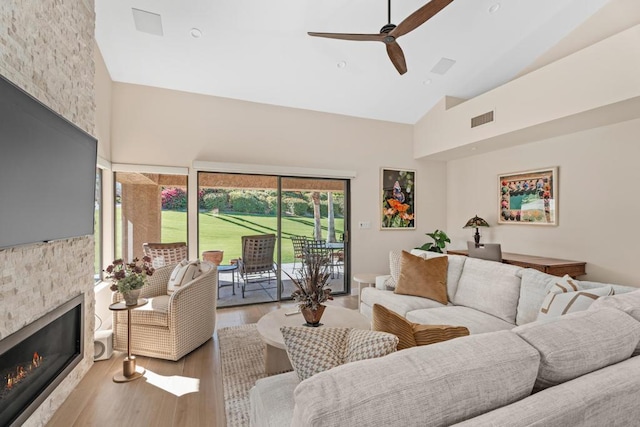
[183,273]
[562,300]
[394,269]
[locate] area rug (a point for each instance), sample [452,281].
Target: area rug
[242,358]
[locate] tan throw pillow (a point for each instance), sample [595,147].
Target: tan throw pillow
[413,334]
[184,272]
[421,277]
[313,350]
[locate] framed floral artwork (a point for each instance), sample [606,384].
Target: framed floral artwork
[398,190]
[529,197]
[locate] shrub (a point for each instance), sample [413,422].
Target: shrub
[213,201]
[174,198]
[248,202]
[298,207]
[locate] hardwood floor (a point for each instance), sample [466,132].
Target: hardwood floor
[166,396]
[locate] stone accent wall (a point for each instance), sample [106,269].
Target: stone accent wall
[46,48]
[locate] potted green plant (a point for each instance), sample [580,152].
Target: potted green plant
[440,240]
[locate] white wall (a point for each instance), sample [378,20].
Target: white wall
[162,127]
[598,200]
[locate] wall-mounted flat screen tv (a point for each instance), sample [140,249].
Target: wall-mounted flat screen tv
[47,172]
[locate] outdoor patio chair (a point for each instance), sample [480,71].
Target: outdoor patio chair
[162,254]
[317,249]
[256,262]
[298,250]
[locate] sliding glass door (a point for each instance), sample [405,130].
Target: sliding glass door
[233,207]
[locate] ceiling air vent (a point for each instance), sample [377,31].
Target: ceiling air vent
[482,119]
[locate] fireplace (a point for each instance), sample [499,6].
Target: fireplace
[34,360]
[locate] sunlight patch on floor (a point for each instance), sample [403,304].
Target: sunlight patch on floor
[175,384]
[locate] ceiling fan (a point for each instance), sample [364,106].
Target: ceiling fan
[390,32]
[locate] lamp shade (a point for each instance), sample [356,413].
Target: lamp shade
[476,222]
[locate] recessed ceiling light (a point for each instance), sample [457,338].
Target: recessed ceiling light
[195,33]
[494,8]
[342,64]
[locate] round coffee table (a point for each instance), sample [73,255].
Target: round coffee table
[275,356]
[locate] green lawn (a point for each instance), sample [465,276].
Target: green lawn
[223,231]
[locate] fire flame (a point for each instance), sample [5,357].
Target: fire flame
[22,372]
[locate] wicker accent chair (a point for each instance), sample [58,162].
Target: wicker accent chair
[257,259]
[169,327]
[162,254]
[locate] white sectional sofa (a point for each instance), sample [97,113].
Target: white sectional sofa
[574,370]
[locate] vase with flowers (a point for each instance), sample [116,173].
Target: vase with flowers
[311,287]
[129,278]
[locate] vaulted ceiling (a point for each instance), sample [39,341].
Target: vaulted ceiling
[259,51]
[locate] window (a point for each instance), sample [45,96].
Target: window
[149,208]
[97,228]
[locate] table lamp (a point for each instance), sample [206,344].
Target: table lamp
[476,222]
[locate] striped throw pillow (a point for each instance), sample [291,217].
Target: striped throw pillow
[413,334]
[565,297]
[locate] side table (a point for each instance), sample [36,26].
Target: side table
[368,279]
[129,372]
[226,268]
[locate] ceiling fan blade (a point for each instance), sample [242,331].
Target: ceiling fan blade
[419,17]
[354,37]
[397,57]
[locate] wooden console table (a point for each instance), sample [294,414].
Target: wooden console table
[553,266]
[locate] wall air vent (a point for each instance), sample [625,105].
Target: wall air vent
[482,119]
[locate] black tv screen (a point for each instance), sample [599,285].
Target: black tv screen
[47,172]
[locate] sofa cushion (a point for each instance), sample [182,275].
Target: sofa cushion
[491,287]
[579,343]
[560,301]
[184,272]
[272,400]
[313,350]
[436,385]
[401,304]
[534,286]
[476,321]
[628,302]
[426,278]
[412,334]
[607,397]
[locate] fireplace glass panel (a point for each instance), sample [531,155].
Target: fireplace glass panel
[30,367]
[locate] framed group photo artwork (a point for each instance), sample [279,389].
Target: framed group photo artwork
[398,205]
[529,197]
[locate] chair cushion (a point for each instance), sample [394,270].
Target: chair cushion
[184,272]
[476,321]
[313,350]
[413,334]
[491,287]
[579,343]
[426,278]
[155,313]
